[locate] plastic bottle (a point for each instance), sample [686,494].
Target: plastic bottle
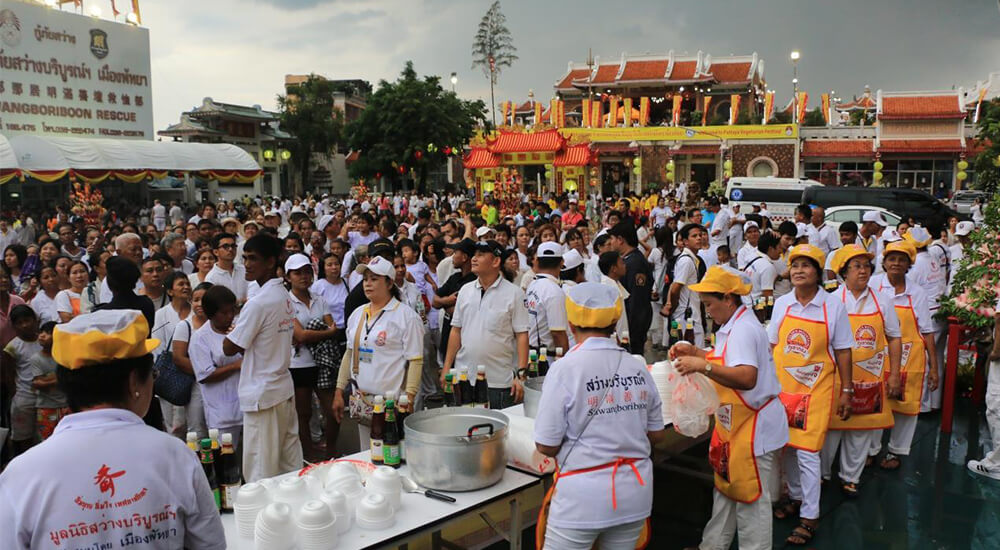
[468,399]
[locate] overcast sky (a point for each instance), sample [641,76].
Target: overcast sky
[238,51]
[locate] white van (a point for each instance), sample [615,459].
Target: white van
[781,195]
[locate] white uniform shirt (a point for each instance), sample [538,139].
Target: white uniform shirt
[781,286]
[686,274]
[159,212]
[839,332]
[46,307]
[357,239]
[621,327]
[762,275]
[236,280]
[721,224]
[931,276]
[827,238]
[659,216]
[870,301]
[264,331]
[164,323]
[490,319]
[546,305]
[335,296]
[105,477]
[598,404]
[388,341]
[317,308]
[176,214]
[221,398]
[745,255]
[748,345]
[912,296]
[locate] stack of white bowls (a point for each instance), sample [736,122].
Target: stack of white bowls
[385,481]
[661,373]
[250,500]
[338,504]
[294,492]
[275,529]
[345,478]
[375,513]
[317,526]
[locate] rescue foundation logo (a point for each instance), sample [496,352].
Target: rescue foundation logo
[874,364]
[906,354]
[724,414]
[806,375]
[105,479]
[380,340]
[10,28]
[798,342]
[865,337]
[99,43]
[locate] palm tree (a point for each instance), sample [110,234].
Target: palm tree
[493,49]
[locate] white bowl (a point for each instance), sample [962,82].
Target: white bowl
[350,486]
[375,512]
[338,471]
[393,496]
[322,538]
[253,495]
[315,514]
[274,527]
[385,479]
[293,491]
[338,504]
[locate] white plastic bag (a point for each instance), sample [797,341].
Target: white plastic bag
[521,451]
[693,400]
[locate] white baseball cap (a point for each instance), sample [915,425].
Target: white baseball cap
[549,249]
[379,266]
[484,230]
[749,225]
[572,259]
[297,261]
[324,221]
[964,228]
[876,217]
[802,230]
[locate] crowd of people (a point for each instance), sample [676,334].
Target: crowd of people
[287,315]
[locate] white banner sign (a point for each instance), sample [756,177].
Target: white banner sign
[63,74]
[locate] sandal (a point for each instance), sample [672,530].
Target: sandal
[802,534]
[890,462]
[787,508]
[849,489]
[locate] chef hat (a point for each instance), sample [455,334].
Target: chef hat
[593,305]
[324,221]
[725,280]
[572,259]
[101,337]
[844,255]
[903,246]
[919,236]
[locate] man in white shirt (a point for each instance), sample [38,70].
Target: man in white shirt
[546,301]
[176,213]
[173,245]
[128,246]
[263,335]
[682,303]
[736,223]
[957,251]
[659,214]
[159,215]
[761,269]
[822,235]
[490,312]
[747,252]
[226,271]
[932,277]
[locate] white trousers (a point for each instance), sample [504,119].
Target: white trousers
[618,537]
[900,438]
[751,521]
[271,443]
[802,469]
[854,445]
[992,459]
[178,421]
[931,400]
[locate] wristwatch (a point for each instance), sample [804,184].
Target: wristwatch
[848,390]
[708,367]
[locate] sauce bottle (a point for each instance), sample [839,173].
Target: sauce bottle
[377,430]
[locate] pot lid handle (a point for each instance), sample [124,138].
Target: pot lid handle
[472,429]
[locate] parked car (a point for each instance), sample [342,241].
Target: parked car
[836,215]
[962,201]
[919,205]
[782,195]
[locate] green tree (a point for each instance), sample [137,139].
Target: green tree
[493,48]
[987,162]
[814,118]
[307,112]
[410,122]
[859,115]
[781,117]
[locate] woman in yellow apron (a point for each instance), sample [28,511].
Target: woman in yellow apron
[750,426]
[599,414]
[876,357]
[917,346]
[811,338]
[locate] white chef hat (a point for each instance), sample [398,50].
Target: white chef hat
[593,305]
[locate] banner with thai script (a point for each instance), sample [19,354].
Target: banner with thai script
[825,107]
[803,104]
[734,108]
[675,114]
[768,107]
[627,114]
[704,111]
[596,116]
[613,111]
[643,111]
[538,112]
[63,74]
[585,113]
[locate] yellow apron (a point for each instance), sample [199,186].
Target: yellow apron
[869,404]
[913,364]
[730,452]
[806,372]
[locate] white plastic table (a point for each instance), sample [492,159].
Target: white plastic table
[419,515]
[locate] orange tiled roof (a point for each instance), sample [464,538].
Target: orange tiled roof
[683,70]
[480,158]
[525,107]
[577,155]
[606,74]
[575,74]
[920,145]
[515,142]
[654,69]
[352,157]
[837,148]
[726,73]
[920,107]
[864,102]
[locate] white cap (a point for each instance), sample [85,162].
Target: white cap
[891,235]
[802,230]
[593,295]
[272,213]
[297,261]
[484,230]
[324,221]
[379,266]
[874,216]
[549,249]
[572,259]
[964,228]
[750,224]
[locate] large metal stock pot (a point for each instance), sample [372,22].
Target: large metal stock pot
[532,395]
[456,448]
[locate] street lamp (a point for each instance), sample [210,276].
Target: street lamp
[454,80]
[795,85]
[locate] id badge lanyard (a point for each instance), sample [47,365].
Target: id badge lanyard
[365,352]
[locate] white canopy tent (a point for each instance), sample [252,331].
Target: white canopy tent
[8,160]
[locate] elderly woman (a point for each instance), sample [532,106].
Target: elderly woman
[106,370]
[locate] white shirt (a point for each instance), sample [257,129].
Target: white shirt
[659,216]
[49,496]
[445,269]
[392,337]
[826,238]
[686,274]
[317,308]
[164,323]
[839,331]
[746,253]
[357,239]
[869,302]
[335,296]
[410,295]
[912,296]
[235,280]
[264,331]
[221,398]
[46,307]
[744,341]
[721,224]
[621,327]
[64,301]
[546,305]
[599,375]
[159,212]
[176,214]
[490,320]
[762,275]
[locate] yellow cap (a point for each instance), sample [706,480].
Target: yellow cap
[807,251]
[720,279]
[593,305]
[844,255]
[101,337]
[904,246]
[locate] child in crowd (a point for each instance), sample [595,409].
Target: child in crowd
[16,358]
[723,254]
[410,252]
[50,400]
[218,374]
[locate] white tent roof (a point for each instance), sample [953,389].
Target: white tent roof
[7,158]
[61,153]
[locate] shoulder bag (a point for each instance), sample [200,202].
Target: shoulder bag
[171,383]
